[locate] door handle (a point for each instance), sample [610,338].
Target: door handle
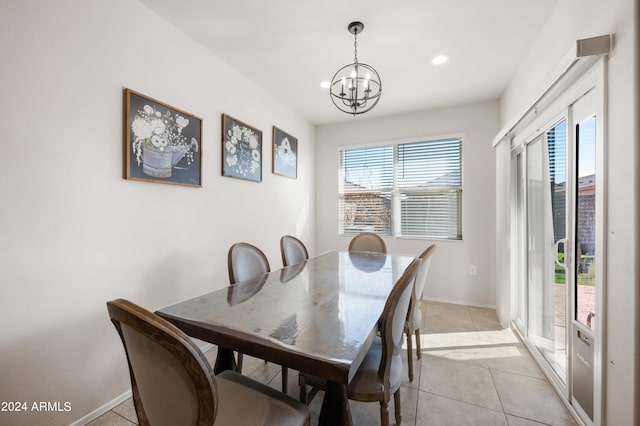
[555,248]
[584,338]
[589,317]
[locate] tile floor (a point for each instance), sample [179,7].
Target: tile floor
[472,372]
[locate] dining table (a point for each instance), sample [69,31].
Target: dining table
[319,317]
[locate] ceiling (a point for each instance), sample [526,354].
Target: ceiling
[289,46]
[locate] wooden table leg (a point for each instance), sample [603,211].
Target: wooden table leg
[335,406]
[224,361]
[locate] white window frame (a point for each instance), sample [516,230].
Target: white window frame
[396,227]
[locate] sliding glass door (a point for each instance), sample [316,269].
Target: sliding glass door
[546,241]
[558,234]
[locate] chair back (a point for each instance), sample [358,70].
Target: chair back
[368,241]
[421,277]
[393,319]
[293,250]
[171,380]
[245,262]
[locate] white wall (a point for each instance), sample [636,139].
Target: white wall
[449,279]
[572,20]
[74,234]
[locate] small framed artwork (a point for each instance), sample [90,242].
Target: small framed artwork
[241,150]
[285,154]
[163,144]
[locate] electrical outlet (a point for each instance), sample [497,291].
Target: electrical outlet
[473,270]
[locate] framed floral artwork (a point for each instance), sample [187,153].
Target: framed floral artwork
[241,150]
[163,144]
[285,154]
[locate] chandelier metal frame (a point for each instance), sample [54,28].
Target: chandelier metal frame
[356,87]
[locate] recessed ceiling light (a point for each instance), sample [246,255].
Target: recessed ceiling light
[440,59]
[325,84]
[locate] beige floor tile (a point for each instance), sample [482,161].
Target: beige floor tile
[512,359]
[446,324]
[211,355]
[316,404]
[486,315]
[460,381]
[473,355]
[293,389]
[530,398]
[417,365]
[434,410]
[127,410]
[519,421]
[487,325]
[501,336]
[463,339]
[258,370]
[110,418]
[445,309]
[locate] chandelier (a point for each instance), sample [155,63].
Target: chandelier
[355,88]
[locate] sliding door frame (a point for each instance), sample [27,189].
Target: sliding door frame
[553,107]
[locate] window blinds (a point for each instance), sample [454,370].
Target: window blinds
[411,189]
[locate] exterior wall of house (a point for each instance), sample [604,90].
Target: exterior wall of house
[572,20]
[449,278]
[75,234]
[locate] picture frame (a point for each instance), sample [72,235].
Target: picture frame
[241,150]
[285,154]
[162,144]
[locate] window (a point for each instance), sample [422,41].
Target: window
[405,189]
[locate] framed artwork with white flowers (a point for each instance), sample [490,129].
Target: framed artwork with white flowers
[241,150]
[285,154]
[163,144]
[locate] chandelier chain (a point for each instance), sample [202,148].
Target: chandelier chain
[355,48]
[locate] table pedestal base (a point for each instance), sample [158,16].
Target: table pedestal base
[224,361]
[335,406]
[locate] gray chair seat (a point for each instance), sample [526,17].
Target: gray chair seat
[367,380]
[246,402]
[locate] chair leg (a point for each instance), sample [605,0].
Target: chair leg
[384,413]
[397,407]
[240,359]
[285,379]
[410,355]
[303,389]
[418,347]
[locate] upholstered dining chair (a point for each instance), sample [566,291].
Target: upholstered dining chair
[246,261]
[293,250]
[368,241]
[173,383]
[380,373]
[414,316]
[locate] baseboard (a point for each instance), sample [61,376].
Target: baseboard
[103,409]
[204,346]
[458,302]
